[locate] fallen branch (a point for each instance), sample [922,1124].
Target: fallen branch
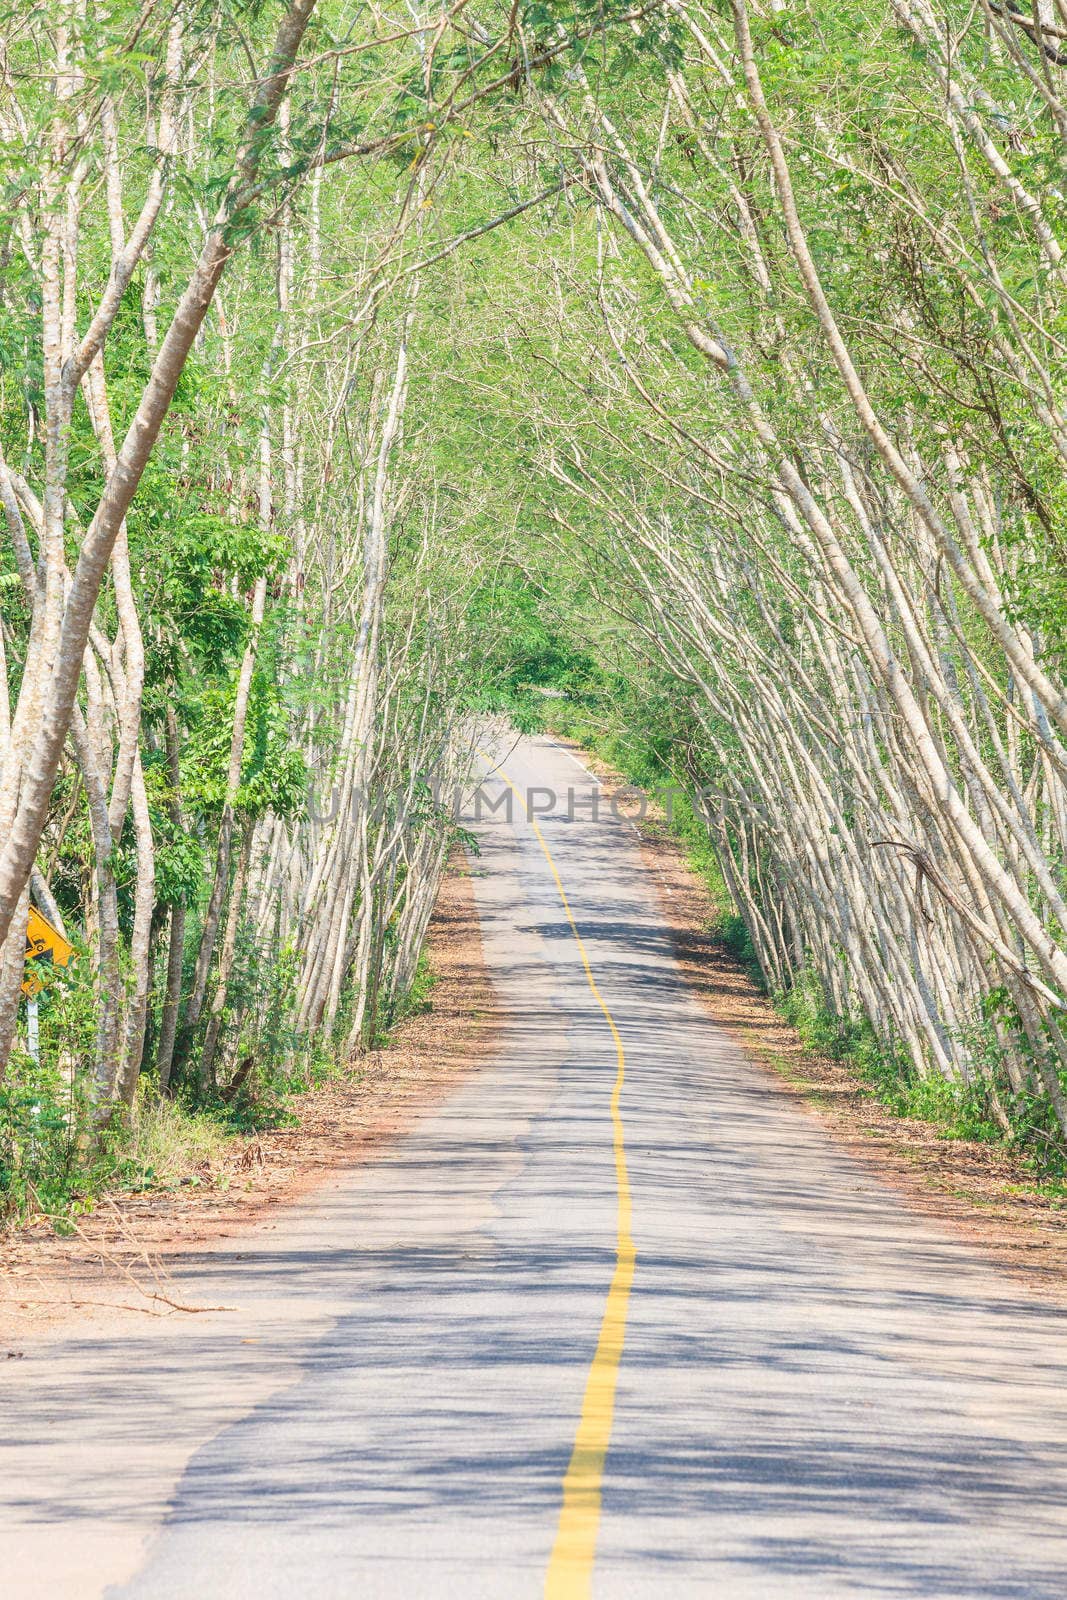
[159,1294]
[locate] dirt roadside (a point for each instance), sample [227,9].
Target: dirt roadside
[980,1189]
[117,1259]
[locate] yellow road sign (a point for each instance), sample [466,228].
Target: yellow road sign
[43,943]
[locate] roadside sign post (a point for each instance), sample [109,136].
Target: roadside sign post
[43,943]
[33,1032]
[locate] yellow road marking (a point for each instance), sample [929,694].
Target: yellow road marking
[570,1568]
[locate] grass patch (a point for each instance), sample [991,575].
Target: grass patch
[51,1162]
[955,1110]
[165,1142]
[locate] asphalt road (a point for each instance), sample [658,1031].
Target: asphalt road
[790,1385]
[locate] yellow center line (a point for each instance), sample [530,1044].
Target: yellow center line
[570,1567]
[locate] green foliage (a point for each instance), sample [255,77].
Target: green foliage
[54,1163]
[43,1125]
[955,1109]
[523,657]
[203,568]
[736,940]
[179,863]
[417,1000]
[273,773]
[54,1160]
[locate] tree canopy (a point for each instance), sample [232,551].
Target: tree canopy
[363,375]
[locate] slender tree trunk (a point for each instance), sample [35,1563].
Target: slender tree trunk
[226,958]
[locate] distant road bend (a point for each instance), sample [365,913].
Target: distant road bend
[615,1320]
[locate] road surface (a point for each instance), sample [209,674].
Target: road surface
[679,1345]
